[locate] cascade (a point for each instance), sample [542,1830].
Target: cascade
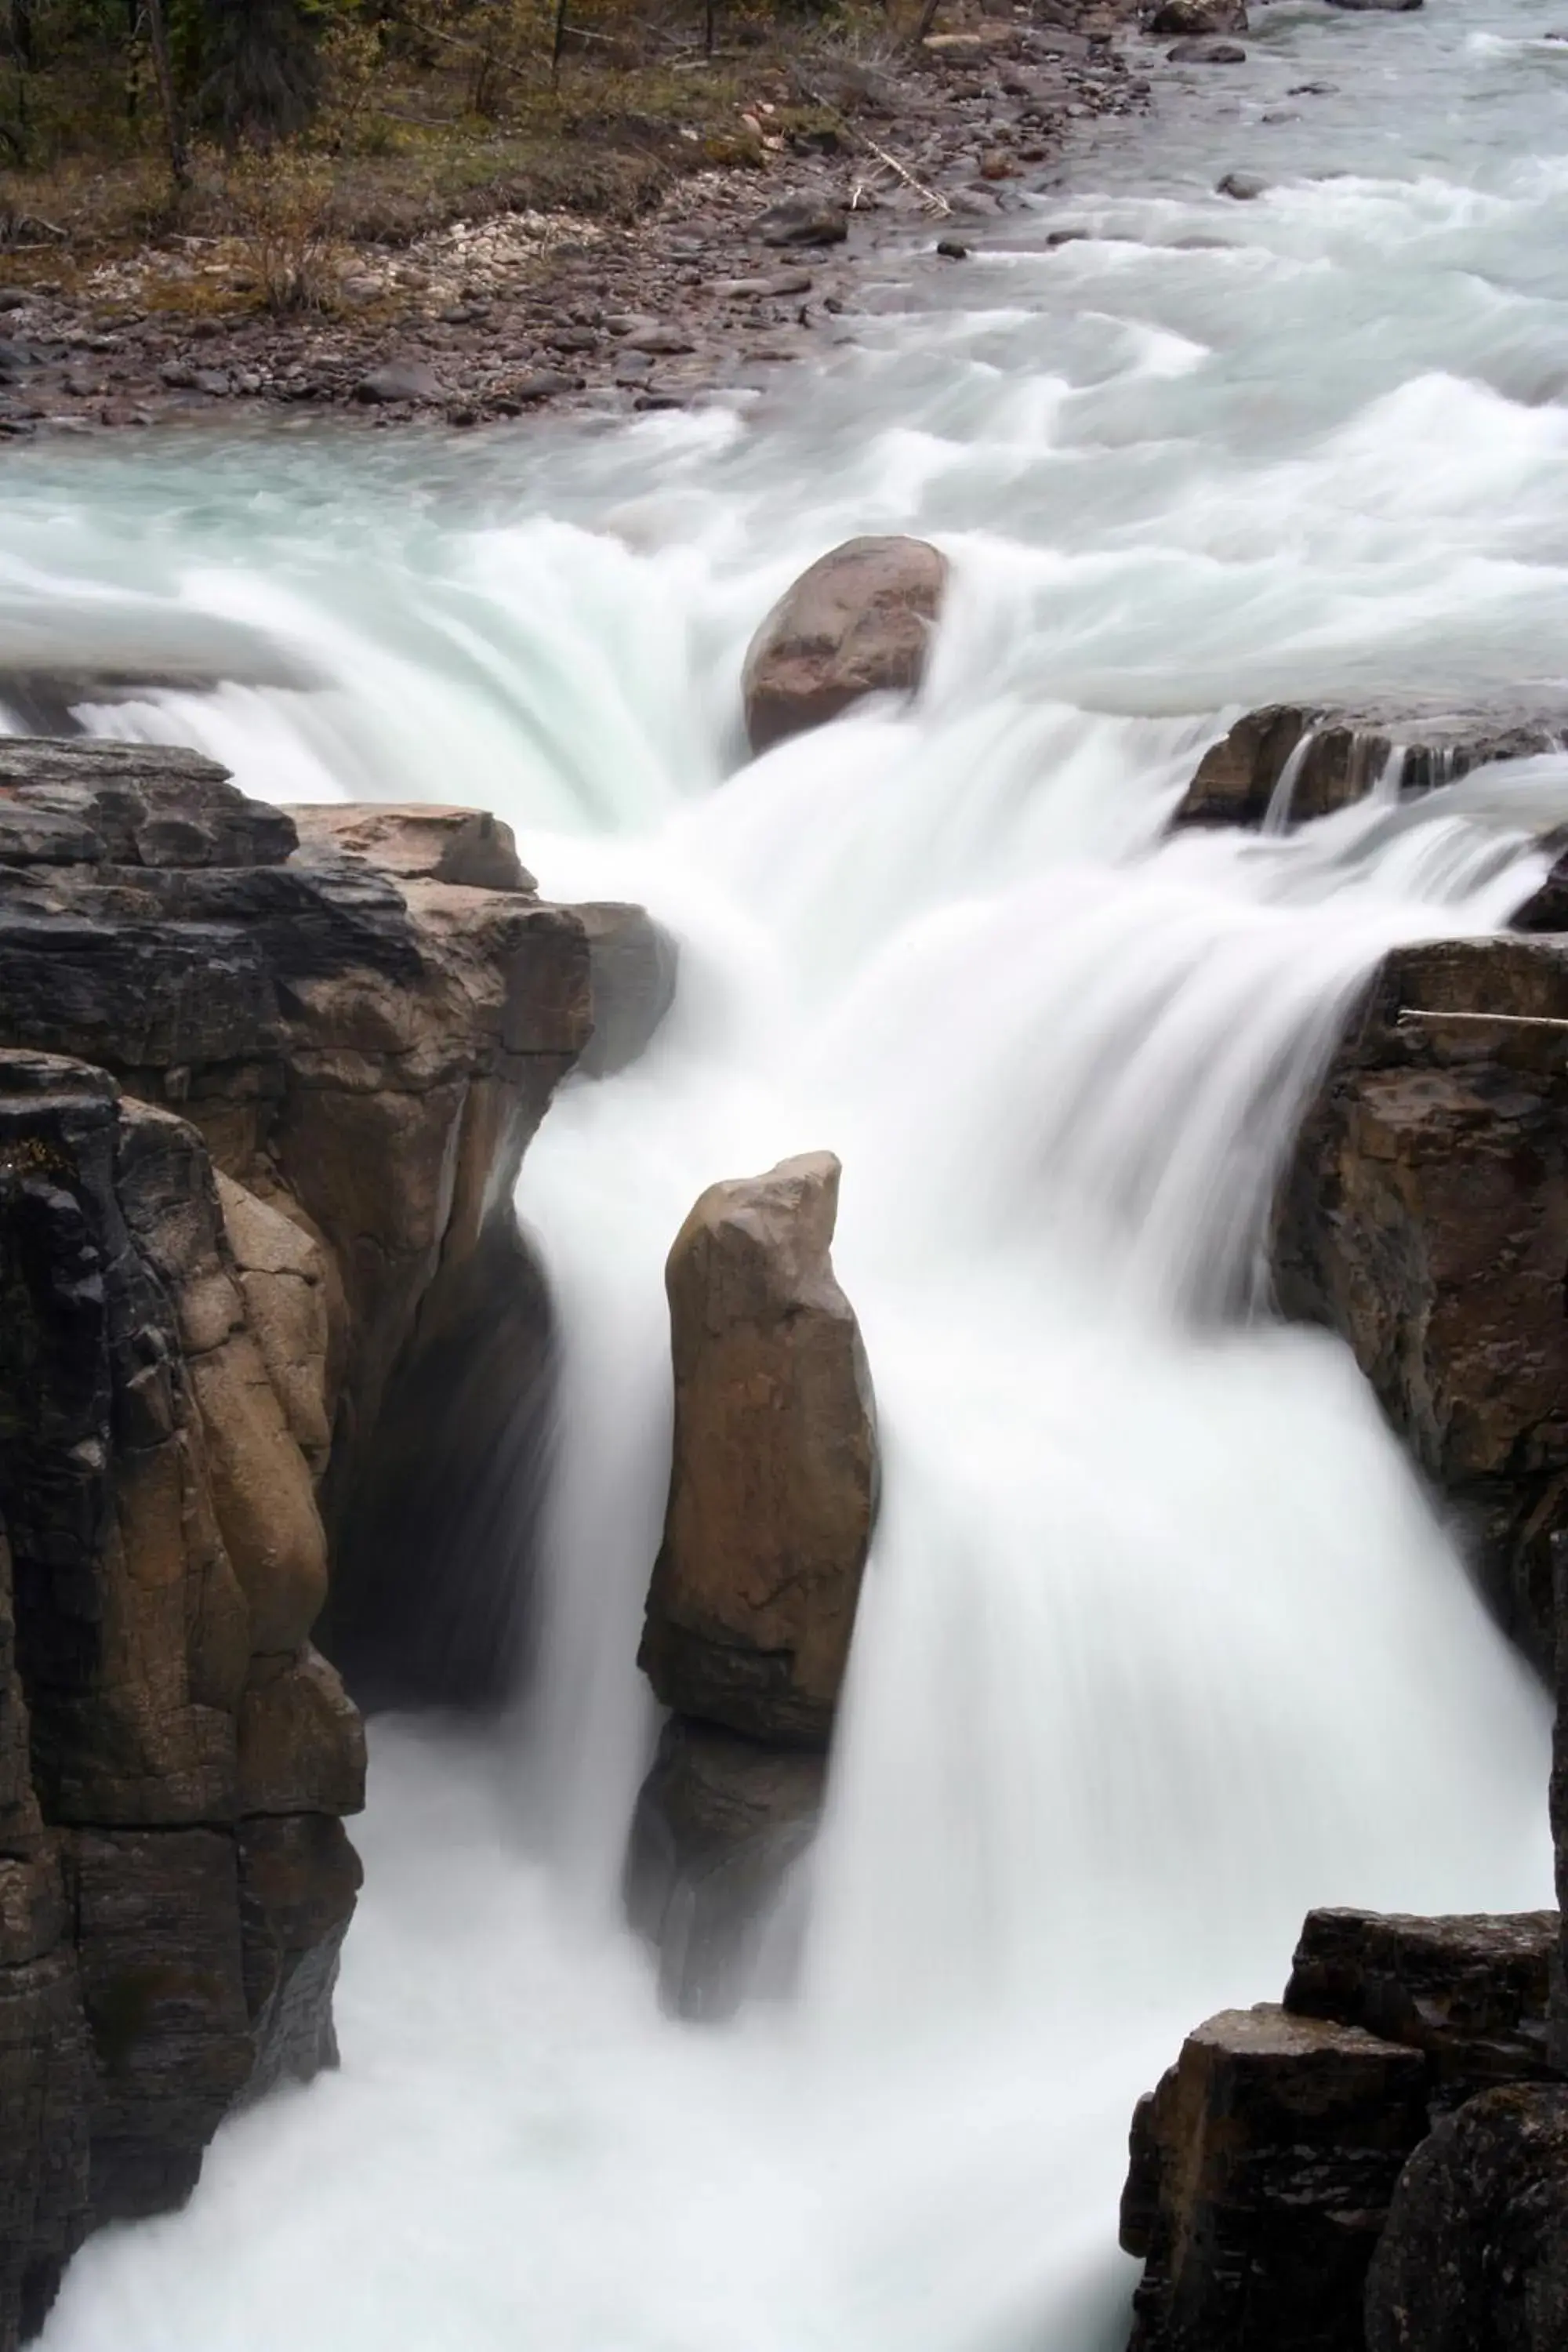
[1160,1640]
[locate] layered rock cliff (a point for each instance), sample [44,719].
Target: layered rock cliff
[265,1082]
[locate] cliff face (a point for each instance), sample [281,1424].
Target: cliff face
[264,1087]
[1424,1216]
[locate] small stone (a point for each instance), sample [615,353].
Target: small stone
[1199,17]
[666,343]
[1244,186]
[996,164]
[801,221]
[399,379]
[951,250]
[1207,53]
[13,298]
[539,383]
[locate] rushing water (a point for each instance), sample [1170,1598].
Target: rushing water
[1160,1643]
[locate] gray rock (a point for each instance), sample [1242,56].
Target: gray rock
[801,220]
[1475,2255]
[1207,53]
[400,381]
[1244,186]
[663,342]
[1196,18]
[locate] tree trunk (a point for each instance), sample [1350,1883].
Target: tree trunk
[168,98]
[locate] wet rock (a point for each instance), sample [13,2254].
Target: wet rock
[1209,53]
[132,804]
[411,381]
[158,1942]
[634,963]
[1196,19]
[300,1740]
[1471,1993]
[420,842]
[184,1353]
[1244,186]
[1292,762]
[1262,2170]
[1475,2255]
[538,383]
[432,1580]
[1385,7]
[299,1881]
[951,249]
[802,220]
[1423,1216]
[721,1821]
[773,1476]
[46,2091]
[859,622]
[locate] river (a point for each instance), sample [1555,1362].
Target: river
[1160,1642]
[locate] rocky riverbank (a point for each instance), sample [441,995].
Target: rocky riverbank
[738,272]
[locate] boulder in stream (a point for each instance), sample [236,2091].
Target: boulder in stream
[859,621]
[772,1484]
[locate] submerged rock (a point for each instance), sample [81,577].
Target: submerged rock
[772,1484]
[720,1823]
[859,622]
[1475,2255]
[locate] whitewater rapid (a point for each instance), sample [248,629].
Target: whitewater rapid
[1160,1642]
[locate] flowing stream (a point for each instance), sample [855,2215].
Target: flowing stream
[1160,1642]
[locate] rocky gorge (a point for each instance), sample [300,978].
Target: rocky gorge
[929,1373]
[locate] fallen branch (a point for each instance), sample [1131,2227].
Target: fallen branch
[931,198]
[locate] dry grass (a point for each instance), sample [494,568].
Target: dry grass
[412,139]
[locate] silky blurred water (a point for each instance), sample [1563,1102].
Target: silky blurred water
[1160,1642]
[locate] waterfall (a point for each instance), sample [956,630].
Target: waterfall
[1160,1640]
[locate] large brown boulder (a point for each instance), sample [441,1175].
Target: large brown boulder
[1314,760]
[774,1479]
[1475,2255]
[859,622]
[1424,1216]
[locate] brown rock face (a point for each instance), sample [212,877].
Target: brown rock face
[1472,1993]
[1262,2169]
[1317,759]
[261,1109]
[1425,1217]
[858,623]
[134,1658]
[772,1484]
[1475,2256]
